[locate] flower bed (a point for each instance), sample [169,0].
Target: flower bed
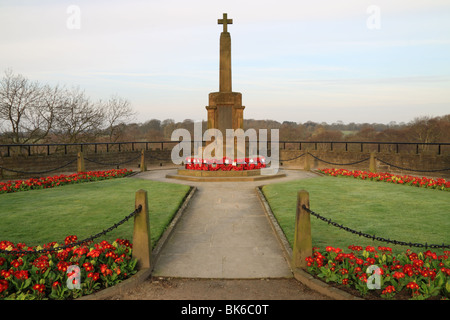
[56,181]
[225,164]
[423,182]
[408,275]
[64,273]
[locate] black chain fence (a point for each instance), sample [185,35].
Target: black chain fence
[282,160]
[86,240]
[363,160]
[113,164]
[68,164]
[408,169]
[39,172]
[166,159]
[333,163]
[373,237]
[339,164]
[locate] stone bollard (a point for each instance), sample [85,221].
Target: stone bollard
[302,240]
[143,165]
[80,163]
[307,166]
[372,163]
[142,244]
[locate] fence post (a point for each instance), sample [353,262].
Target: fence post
[143,165]
[372,163]
[142,244]
[302,240]
[80,162]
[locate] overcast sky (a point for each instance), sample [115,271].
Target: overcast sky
[324,61]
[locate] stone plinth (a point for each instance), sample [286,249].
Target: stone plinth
[231,176]
[225,111]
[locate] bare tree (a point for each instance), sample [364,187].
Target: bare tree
[424,129]
[30,113]
[20,101]
[43,115]
[78,119]
[168,127]
[116,112]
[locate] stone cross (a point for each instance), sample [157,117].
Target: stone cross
[225,109]
[225,22]
[225,56]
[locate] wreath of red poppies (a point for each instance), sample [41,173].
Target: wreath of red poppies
[225,164]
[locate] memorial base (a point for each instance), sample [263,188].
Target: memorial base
[230,176]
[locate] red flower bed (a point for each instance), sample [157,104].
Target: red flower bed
[423,182]
[64,273]
[56,181]
[412,275]
[225,164]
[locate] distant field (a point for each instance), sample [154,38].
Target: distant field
[348,132]
[42,216]
[397,212]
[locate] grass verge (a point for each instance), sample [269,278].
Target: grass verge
[397,212]
[42,216]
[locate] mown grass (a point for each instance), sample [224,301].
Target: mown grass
[398,212]
[41,216]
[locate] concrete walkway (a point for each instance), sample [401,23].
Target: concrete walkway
[224,233]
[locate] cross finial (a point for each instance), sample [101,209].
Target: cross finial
[225,22]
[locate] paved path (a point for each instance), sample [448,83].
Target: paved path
[224,233]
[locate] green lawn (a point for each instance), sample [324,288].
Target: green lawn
[42,216]
[397,212]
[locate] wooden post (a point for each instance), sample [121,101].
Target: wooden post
[143,165]
[142,244]
[302,239]
[372,163]
[80,162]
